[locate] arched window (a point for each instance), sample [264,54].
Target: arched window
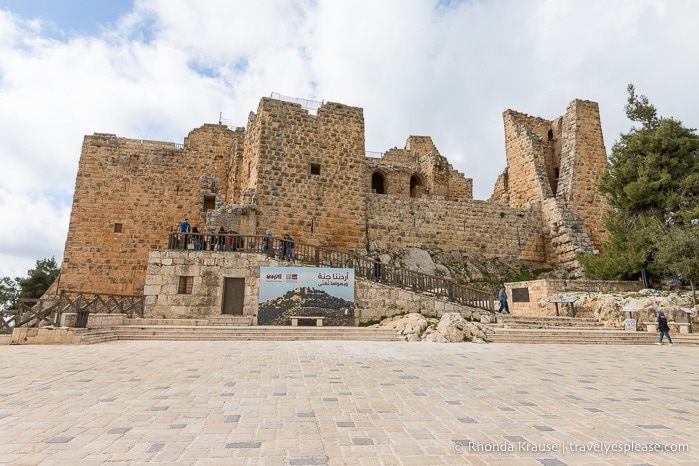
[378,183]
[416,187]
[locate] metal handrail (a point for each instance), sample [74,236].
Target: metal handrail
[320,256]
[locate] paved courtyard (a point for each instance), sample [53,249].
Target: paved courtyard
[356,403]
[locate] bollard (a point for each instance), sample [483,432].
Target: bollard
[81,319]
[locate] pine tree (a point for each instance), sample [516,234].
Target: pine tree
[652,180]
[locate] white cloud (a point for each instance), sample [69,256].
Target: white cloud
[33,228]
[443,69]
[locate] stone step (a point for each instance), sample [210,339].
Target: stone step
[553,320]
[545,322]
[204,321]
[230,320]
[562,336]
[194,333]
[540,325]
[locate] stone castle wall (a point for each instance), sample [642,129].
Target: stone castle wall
[311,179]
[526,167]
[129,195]
[558,163]
[584,149]
[208,269]
[492,229]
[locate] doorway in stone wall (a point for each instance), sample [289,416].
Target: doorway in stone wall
[378,183]
[233,296]
[416,186]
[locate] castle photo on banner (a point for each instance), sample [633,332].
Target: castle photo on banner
[306,291]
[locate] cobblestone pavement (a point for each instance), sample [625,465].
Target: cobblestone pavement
[356,403]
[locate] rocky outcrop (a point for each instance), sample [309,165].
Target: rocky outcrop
[608,308]
[451,328]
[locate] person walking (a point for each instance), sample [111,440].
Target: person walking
[502,296]
[663,327]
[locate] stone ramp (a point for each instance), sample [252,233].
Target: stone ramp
[233,333]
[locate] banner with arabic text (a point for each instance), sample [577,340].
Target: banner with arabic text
[306,291]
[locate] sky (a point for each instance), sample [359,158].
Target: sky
[156,69]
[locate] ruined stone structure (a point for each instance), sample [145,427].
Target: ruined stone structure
[308,174]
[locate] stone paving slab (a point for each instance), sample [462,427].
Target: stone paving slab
[348,402]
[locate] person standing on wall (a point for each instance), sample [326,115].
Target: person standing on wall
[197,237]
[184,228]
[663,328]
[502,296]
[287,248]
[265,241]
[376,273]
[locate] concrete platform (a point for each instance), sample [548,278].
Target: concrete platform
[347,402]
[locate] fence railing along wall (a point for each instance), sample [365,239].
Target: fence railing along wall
[48,312]
[311,105]
[320,256]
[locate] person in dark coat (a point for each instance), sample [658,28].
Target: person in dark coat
[663,328]
[287,247]
[502,297]
[376,273]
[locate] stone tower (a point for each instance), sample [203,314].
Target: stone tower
[556,164]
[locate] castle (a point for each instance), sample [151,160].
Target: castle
[293,170]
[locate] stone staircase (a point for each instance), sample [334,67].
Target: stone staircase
[235,333]
[544,322]
[568,330]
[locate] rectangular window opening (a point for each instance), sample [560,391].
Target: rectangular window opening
[209,203]
[117,227]
[315,169]
[185,285]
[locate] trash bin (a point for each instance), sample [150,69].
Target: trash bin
[81,319]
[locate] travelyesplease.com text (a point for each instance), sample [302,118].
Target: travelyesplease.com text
[569,447]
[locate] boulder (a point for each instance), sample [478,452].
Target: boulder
[451,328]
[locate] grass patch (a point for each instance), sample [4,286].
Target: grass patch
[526,274]
[369,323]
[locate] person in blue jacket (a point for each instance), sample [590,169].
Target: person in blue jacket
[502,296]
[265,241]
[663,328]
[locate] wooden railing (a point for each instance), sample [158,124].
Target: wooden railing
[102,303]
[30,313]
[47,312]
[320,256]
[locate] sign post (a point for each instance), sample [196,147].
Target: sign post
[569,301]
[630,321]
[688,313]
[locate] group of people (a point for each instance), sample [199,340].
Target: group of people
[286,249]
[223,241]
[197,241]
